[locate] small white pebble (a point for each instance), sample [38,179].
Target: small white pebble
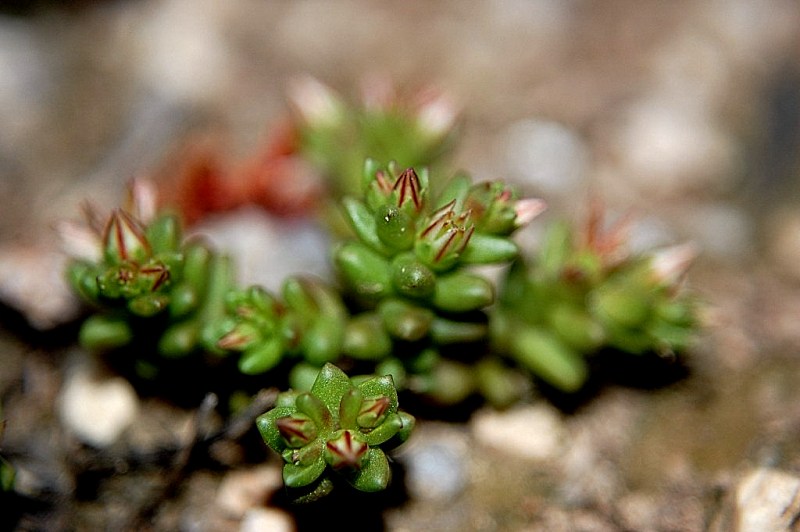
[546,155]
[436,464]
[241,491]
[767,499]
[96,409]
[263,519]
[533,432]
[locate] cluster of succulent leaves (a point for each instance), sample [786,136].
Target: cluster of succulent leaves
[411,304]
[337,430]
[583,294]
[409,273]
[148,281]
[408,290]
[337,135]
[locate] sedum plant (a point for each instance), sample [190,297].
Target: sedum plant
[337,430]
[307,323]
[584,292]
[145,280]
[409,271]
[409,291]
[336,136]
[413,304]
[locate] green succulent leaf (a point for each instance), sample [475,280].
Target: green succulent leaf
[313,406]
[412,278]
[445,331]
[394,228]
[261,357]
[179,339]
[363,222]
[374,474]
[268,428]
[299,475]
[462,292]
[349,408]
[330,386]
[548,358]
[365,271]
[489,249]
[387,429]
[365,338]
[164,234]
[404,320]
[103,332]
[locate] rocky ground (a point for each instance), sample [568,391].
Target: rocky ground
[686,112]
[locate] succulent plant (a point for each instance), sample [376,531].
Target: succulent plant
[144,279]
[337,430]
[337,136]
[584,292]
[309,321]
[409,269]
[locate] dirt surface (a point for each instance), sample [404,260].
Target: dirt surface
[686,113]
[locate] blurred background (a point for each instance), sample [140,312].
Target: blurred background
[686,113]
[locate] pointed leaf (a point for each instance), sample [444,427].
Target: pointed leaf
[349,408]
[312,406]
[362,220]
[330,386]
[380,386]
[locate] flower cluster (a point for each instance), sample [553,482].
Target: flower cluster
[336,429]
[584,292]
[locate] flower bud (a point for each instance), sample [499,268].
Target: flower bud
[436,115]
[444,238]
[124,239]
[669,265]
[373,411]
[492,206]
[408,190]
[242,336]
[297,430]
[345,450]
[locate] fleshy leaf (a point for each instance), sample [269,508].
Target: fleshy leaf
[330,386]
[268,428]
[375,473]
[299,475]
